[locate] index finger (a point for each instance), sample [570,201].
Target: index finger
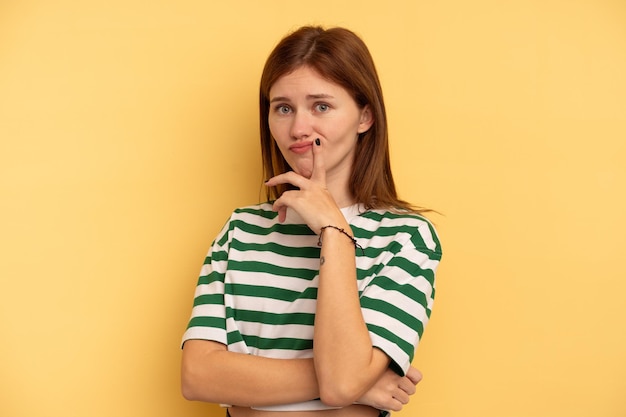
[319,169]
[414,375]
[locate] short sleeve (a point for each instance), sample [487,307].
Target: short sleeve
[398,300]
[208,315]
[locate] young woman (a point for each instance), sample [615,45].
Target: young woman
[313,303]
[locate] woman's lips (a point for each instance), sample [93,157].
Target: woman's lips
[301,147]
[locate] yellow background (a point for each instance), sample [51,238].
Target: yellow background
[128,131]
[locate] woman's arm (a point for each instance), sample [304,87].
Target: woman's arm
[346,363]
[210,373]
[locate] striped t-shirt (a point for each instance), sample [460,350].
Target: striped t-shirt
[258,286]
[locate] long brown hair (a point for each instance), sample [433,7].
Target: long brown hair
[340,56]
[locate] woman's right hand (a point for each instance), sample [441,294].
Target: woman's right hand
[392,391]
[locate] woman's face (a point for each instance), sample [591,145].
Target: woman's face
[303,107]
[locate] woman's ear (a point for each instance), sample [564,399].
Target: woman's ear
[366,121]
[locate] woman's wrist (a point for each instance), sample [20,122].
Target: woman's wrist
[347,234]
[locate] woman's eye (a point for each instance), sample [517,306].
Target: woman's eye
[322,107]
[283,109]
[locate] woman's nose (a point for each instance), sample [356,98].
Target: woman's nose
[301,126]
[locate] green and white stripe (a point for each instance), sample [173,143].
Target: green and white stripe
[258,286]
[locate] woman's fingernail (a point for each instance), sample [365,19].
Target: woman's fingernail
[318,142]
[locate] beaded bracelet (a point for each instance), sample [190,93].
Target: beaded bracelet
[356,245]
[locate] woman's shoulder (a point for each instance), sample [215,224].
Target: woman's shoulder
[249,214]
[250,217]
[260,209]
[388,217]
[399,225]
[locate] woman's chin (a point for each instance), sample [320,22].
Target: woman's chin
[306,172]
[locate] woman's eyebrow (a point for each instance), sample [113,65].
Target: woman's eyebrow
[318,96]
[308,97]
[279,98]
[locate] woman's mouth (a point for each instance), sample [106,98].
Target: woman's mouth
[301,147]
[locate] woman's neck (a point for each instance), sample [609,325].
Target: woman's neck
[340,191]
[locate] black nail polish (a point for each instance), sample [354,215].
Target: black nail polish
[318,142]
